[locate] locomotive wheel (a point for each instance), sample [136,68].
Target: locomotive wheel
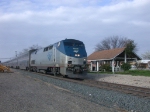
[31,69]
[54,72]
[65,76]
[35,69]
[27,68]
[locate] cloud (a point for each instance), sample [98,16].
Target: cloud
[124,11]
[24,23]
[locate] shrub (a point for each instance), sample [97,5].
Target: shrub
[125,66]
[106,67]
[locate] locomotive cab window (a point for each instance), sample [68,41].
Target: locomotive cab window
[68,44]
[73,44]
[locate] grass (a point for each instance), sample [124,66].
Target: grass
[136,72]
[130,72]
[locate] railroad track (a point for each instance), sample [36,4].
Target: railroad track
[137,91]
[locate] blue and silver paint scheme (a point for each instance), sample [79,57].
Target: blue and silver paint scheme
[75,57]
[67,57]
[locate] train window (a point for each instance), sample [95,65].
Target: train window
[35,52]
[46,49]
[32,61]
[68,44]
[58,44]
[78,44]
[50,47]
[73,44]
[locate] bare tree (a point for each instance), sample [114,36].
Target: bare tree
[35,47]
[111,43]
[116,42]
[30,48]
[25,50]
[146,55]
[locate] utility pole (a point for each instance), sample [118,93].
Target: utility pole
[16,53]
[17,59]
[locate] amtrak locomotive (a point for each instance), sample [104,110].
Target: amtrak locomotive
[67,57]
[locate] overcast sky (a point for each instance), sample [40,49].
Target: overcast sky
[24,23]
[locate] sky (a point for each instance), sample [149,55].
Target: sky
[24,23]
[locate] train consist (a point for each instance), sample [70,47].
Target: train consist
[67,57]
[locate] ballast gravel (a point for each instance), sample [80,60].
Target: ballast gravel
[139,81]
[88,98]
[23,93]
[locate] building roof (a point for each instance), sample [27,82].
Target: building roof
[106,54]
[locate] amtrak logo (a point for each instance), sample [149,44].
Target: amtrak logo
[75,50]
[49,55]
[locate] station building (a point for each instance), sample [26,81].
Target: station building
[114,57]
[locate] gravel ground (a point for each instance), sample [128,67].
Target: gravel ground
[139,81]
[84,98]
[22,93]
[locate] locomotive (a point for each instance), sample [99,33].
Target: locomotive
[67,57]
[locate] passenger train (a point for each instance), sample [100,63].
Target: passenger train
[67,57]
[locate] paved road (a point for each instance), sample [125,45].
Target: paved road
[20,93]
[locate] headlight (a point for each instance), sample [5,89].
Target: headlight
[77,55]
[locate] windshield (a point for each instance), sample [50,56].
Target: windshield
[73,44]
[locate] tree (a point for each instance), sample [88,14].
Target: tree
[117,42]
[111,43]
[35,47]
[130,47]
[146,55]
[30,48]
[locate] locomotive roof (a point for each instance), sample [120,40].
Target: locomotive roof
[66,40]
[71,40]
